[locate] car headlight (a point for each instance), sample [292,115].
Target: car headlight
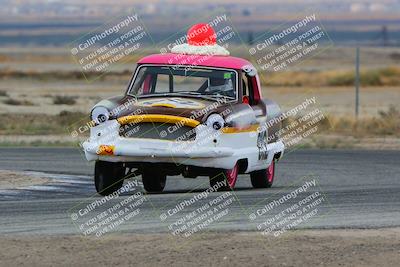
[215,121]
[100,114]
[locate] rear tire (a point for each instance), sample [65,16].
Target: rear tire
[153,180]
[226,177]
[263,178]
[108,177]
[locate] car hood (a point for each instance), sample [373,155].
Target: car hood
[190,107]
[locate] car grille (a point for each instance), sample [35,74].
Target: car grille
[157,130]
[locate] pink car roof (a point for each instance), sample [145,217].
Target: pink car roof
[196,60]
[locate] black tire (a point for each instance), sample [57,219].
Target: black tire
[153,180]
[108,177]
[226,177]
[263,178]
[218,178]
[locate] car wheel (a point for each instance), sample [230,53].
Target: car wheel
[153,180]
[263,178]
[226,177]
[108,177]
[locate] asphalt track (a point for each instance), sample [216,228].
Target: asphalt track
[359,189]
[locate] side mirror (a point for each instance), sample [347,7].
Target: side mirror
[250,70]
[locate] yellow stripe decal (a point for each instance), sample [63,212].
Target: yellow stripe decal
[158,118]
[229,130]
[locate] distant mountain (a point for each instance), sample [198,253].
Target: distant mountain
[268,9]
[56,22]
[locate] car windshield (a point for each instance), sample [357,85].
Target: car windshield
[171,80]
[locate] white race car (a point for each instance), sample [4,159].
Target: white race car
[202,118]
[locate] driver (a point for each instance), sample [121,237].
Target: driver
[221,86]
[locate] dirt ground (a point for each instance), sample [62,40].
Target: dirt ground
[12,179]
[298,248]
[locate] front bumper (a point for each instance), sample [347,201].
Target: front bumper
[215,150]
[131,147]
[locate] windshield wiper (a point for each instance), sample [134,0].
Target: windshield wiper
[208,96]
[190,93]
[217,94]
[157,95]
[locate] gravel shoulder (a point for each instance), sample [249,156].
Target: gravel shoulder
[379,247]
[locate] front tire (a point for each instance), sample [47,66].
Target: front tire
[263,178]
[108,177]
[153,180]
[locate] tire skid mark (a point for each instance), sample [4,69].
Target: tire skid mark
[59,185]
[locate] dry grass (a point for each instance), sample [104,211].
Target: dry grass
[60,75]
[387,123]
[17,102]
[382,77]
[64,100]
[3,93]
[389,76]
[31,124]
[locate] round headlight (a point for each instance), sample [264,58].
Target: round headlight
[215,121]
[100,114]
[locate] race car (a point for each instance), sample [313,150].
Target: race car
[194,111]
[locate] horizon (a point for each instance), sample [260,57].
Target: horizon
[55,22]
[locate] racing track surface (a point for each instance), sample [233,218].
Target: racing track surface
[362,189]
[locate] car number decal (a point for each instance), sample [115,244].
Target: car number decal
[262,145]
